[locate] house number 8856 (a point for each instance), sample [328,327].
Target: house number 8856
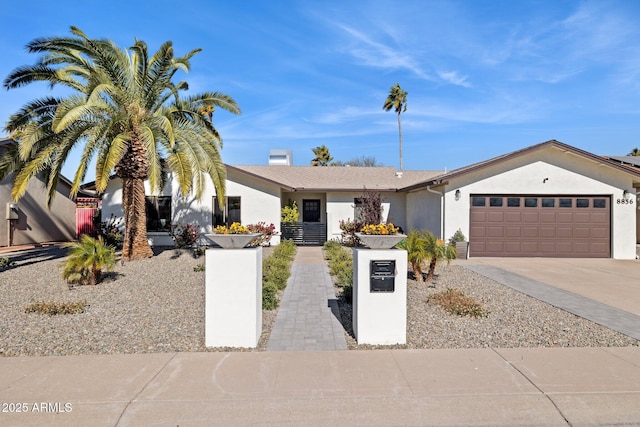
[624,201]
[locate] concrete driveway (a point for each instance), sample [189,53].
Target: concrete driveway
[612,282]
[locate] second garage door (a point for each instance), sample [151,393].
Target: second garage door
[540,226]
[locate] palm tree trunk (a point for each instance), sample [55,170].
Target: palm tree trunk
[135,246]
[417,273]
[400,134]
[432,269]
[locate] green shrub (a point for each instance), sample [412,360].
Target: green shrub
[456,302]
[6,263]
[289,214]
[55,308]
[341,267]
[276,269]
[199,268]
[269,296]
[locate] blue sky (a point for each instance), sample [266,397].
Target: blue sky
[483,78]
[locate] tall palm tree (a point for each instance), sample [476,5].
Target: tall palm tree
[125,110]
[634,152]
[397,100]
[323,158]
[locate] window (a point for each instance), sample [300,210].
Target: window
[513,202]
[599,203]
[358,209]
[310,210]
[566,203]
[548,203]
[228,215]
[530,202]
[158,213]
[582,203]
[478,201]
[495,201]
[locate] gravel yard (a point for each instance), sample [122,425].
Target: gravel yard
[157,305]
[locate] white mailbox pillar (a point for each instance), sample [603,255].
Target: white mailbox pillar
[233,299]
[379,313]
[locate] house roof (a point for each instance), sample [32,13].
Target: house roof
[336,178]
[444,178]
[629,160]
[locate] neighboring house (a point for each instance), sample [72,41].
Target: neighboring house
[35,222]
[548,200]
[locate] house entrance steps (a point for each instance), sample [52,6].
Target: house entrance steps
[308,316]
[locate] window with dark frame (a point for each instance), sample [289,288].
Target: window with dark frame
[582,203]
[548,202]
[495,202]
[358,209]
[565,203]
[513,202]
[158,213]
[599,203]
[478,201]
[531,202]
[230,214]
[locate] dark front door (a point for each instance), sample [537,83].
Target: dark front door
[311,210]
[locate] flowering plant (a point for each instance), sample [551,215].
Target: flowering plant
[185,235]
[235,228]
[266,233]
[379,229]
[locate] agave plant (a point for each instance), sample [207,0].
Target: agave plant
[87,258]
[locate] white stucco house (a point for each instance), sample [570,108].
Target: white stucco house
[547,200]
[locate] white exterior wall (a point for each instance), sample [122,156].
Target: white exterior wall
[259,201]
[567,175]
[423,212]
[340,206]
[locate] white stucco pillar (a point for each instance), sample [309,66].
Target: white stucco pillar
[379,315]
[233,299]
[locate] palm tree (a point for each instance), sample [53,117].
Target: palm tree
[323,158]
[634,152]
[397,100]
[417,254]
[125,111]
[86,260]
[438,250]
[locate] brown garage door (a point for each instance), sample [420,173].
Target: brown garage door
[540,226]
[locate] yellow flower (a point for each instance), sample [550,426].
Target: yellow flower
[235,228]
[379,229]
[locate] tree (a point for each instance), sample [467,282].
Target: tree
[122,108]
[423,246]
[370,207]
[86,260]
[323,158]
[397,100]
[364,161]
[634,152]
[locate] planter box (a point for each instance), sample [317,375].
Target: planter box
[380,241]
[462,249]
[232,241]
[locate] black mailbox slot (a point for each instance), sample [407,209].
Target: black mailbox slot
[382,276]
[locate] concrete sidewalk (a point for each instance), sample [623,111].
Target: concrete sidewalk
[501,387]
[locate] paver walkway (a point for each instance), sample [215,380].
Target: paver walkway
[308,314]
[597,312]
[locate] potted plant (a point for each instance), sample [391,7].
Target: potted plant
[380,236]
[235,236]
[461,244]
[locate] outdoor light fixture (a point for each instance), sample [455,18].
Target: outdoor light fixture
[457,194]
[624,193]
[545,180]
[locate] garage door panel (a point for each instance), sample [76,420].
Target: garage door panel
[564,232]
[511,231]
[547,232]
[512,216]
[548,217]
[530,231]
[562,228]
[495,216]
